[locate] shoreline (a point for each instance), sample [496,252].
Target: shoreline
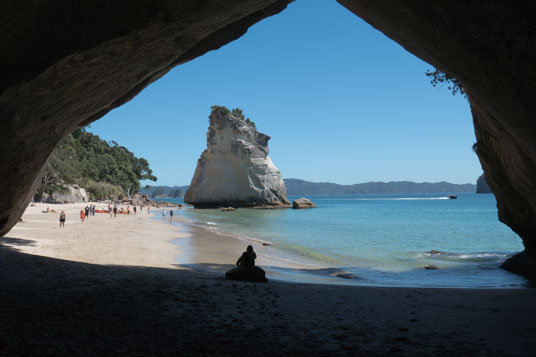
[98,293]
[214,252]
[279,264]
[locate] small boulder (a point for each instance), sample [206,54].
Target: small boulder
[431,267]
[251,274]
[303,203]
[436,252]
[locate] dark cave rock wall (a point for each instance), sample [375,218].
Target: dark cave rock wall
[489,46]
[67,63]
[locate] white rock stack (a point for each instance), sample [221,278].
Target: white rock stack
[235,169]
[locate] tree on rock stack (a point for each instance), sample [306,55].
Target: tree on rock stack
[235,169]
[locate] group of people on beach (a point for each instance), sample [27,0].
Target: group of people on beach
[90,211]
[115,210]
[86,212]
[170,214]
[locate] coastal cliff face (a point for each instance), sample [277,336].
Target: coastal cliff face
[235,169]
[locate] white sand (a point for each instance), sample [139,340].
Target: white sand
[110,286]
[133,239]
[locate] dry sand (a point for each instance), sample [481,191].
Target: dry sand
[114,287]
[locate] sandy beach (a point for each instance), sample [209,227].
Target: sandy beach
[126,286]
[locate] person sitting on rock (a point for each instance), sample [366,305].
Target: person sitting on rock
[246,269]
[247,259]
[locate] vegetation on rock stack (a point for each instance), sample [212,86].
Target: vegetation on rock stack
[236,112]
[103,169]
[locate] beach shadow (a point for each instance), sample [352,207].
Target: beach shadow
[60,307]
[8,243]
[291,274]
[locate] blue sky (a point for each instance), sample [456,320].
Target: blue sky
[341,101]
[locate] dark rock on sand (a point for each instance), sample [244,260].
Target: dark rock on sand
[242,273]
[345,275]
[303,203]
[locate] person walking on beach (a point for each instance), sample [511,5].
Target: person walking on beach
[62,219]
[86,211]
[163,214]
[115,209]
[134,209]
[82,215]
[93,211]
[171,214]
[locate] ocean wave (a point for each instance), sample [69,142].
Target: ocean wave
[465,257]
[307,252]
[404,199]
[394,199]
[292,261]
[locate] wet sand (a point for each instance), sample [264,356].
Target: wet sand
[114,287]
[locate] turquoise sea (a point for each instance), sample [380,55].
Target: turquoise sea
[386,239]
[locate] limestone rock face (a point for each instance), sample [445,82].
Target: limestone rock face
[235,169]
[303,203]
[73,194]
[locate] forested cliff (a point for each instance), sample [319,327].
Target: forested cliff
[103,169]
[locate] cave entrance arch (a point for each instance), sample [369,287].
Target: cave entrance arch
[66,66]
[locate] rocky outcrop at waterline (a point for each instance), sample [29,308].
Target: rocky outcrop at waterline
[302,203]
[482,185]
[235,169]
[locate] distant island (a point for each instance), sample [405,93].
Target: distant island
[164,191]
[296,187]
[301,187]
